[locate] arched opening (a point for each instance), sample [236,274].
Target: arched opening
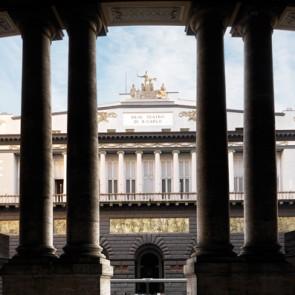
[149,264]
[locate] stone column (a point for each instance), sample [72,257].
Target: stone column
[212,162]
[82,170]
[121,174]
[231,170]
[102,172]
[36,213]
[65,173]
[158,186]
[139,178]
[194,171]
[175,171]
[259,139]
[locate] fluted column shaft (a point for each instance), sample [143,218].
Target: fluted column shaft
[82,170]
[36,213]
[194,171]
[212,162]
[259,140]
[121,174]
[175,171]
[158,188]
[139,178]
[102,173]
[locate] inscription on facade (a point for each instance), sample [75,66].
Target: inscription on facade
[149,225]
[147,119]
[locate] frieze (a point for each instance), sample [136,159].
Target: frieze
[7,27]
[191,115]
[104,116]
[149,225]
[157,12]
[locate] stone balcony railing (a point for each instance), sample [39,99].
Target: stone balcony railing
[60,199]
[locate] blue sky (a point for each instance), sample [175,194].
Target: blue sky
[165,52]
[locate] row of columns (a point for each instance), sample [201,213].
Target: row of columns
[36,210]
[212,162]
[139,172]
[259,136]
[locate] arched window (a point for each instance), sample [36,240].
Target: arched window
[149,264]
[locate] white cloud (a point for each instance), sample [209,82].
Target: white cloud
[165,52]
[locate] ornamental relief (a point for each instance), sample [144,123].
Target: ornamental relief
[191,115]
[149,225]
[104,116]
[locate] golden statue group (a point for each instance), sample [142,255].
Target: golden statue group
[147,90]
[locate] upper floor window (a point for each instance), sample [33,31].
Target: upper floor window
[166,174]
[148,176]
[184,175]
[130,175]
[112,176]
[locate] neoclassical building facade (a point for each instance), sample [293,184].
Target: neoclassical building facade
[213,266]
[147,161]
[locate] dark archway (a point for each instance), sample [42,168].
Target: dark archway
[149,264]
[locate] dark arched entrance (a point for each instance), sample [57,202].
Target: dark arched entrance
[149,264]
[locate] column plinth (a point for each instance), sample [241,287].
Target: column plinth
[260,206]
[212,161]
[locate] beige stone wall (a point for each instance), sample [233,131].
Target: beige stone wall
[8,174]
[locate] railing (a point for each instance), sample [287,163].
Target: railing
[61,199]
[147,282]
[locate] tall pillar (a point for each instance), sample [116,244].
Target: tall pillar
[102,172]
[139,178]
[36,213]
[158,188]
[194,170]
[261,228]
[231,176]
[212,162]
[121,174]
[65,173]
[82,170]
[175,171]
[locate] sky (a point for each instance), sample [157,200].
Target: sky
[167,53]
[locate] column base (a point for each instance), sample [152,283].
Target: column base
[215,252]
[262,253]
[235,276]
[57,278]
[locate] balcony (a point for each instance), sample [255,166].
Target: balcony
[147,198]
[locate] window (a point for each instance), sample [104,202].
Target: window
[166,173]
[184,175]
[112,176]
[58,186]
[148,176]
[111,130]
[238,172]
[58,173]
[130,176]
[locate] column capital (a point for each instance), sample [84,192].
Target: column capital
[43,19]
[157,152]
[176,152]
[139,152]
[257,15]
[210,14]
[120,152]
[102,152]
[88,14]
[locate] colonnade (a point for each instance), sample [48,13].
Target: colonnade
[139,171]
[208,23]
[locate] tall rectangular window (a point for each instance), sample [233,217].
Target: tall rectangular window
[166,174]
[148,176]
[238,172]
[130,175]
[112,176]
[184,175]
[58,173]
